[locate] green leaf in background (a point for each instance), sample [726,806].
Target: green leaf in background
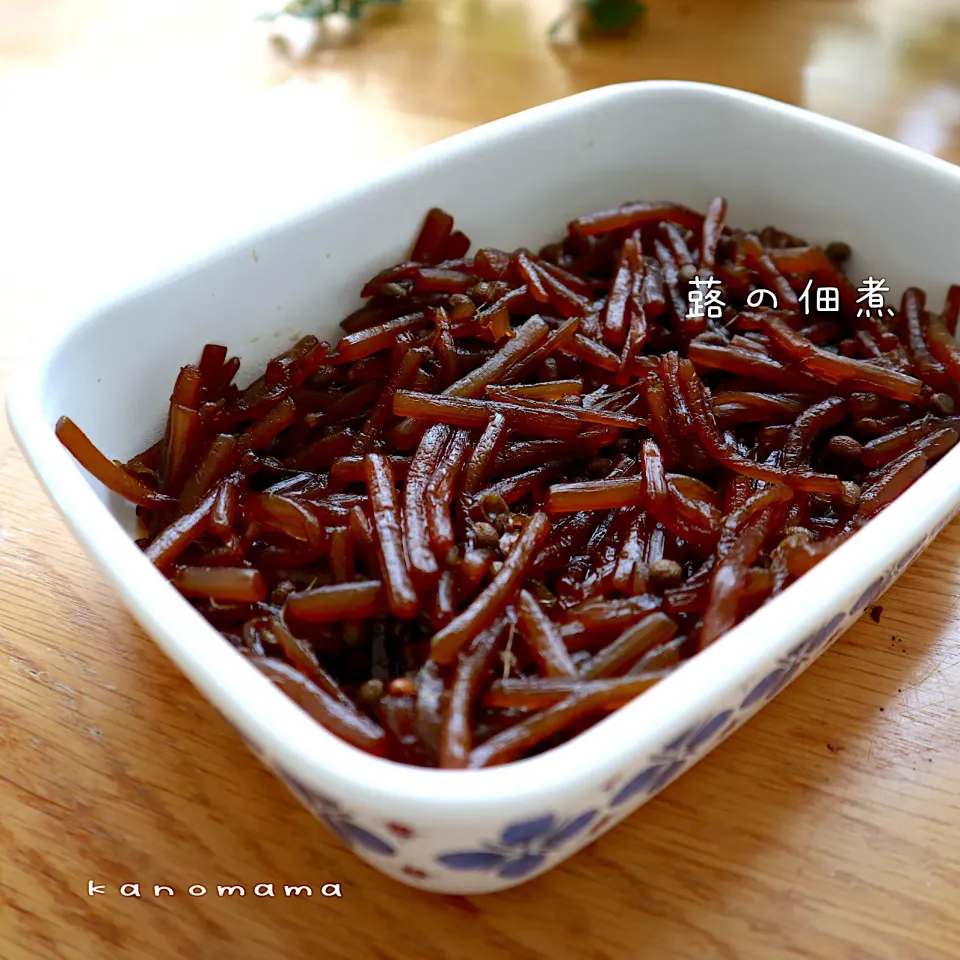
[614,14]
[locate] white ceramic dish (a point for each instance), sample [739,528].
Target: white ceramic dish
[512,182]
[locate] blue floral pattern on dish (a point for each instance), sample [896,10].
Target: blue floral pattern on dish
[337,820]
[522,848]
[679,754]
[794,661]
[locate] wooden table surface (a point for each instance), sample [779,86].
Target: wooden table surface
[136,132]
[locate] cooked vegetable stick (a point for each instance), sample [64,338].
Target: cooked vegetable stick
[345,471]
[350,725]
[223,584]
[485,454]
[941,343]
[595,495]
[635,640]
[456,735]
[630,216]
[446,643]
[423,564]
[539,693]
[726,585]
[710,236]
[109,472]
[764,478]
[440,489]
[837,369]
[382,490]
[167,545]
[340,601]
[461,412]
[528,733]
[543,638]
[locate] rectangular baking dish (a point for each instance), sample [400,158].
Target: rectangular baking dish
[512,182]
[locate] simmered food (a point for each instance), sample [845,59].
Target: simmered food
[523,487]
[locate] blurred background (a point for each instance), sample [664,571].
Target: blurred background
[139,131]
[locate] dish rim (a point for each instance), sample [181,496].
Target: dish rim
[283,732]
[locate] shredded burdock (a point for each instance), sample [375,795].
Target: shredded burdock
[524,487]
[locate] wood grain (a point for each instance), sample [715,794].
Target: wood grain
[138,132]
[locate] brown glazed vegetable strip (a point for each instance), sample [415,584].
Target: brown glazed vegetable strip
[213,466]
[485,452]
[446,643]
[472,385]
[526,734]
[445,599]
[914,325]
[635,640]
[611,615]
[364,343]
[753,364]
[301,655]
[440,489]
[401,377]
[585,414]
[270,425]
[595,495]
[638,331]
[593,352]
[110,473]
[892,482]
[434,236]
[549,391]
[630,555]
[183,438]
[526,339]
[710,236]
[749,513]
[532,278]
[428,719]
[614,314]
[736,407]
[806,427]
[382,490]
[690,447]
[539,693]
[543,638]
[287,515]
[223,584]
[528,366]
[705,424]
[631,216]
[345,471]
[519,485]
[456,734]
[661,422]
[940,342]
[663,507]
[837,369]
[212,360]
[167,545]
[341,601]
[225,507]
[461,412]
[444,347]
[727,585]
[772,279]
[951,309]
[423,564]
[350,725]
